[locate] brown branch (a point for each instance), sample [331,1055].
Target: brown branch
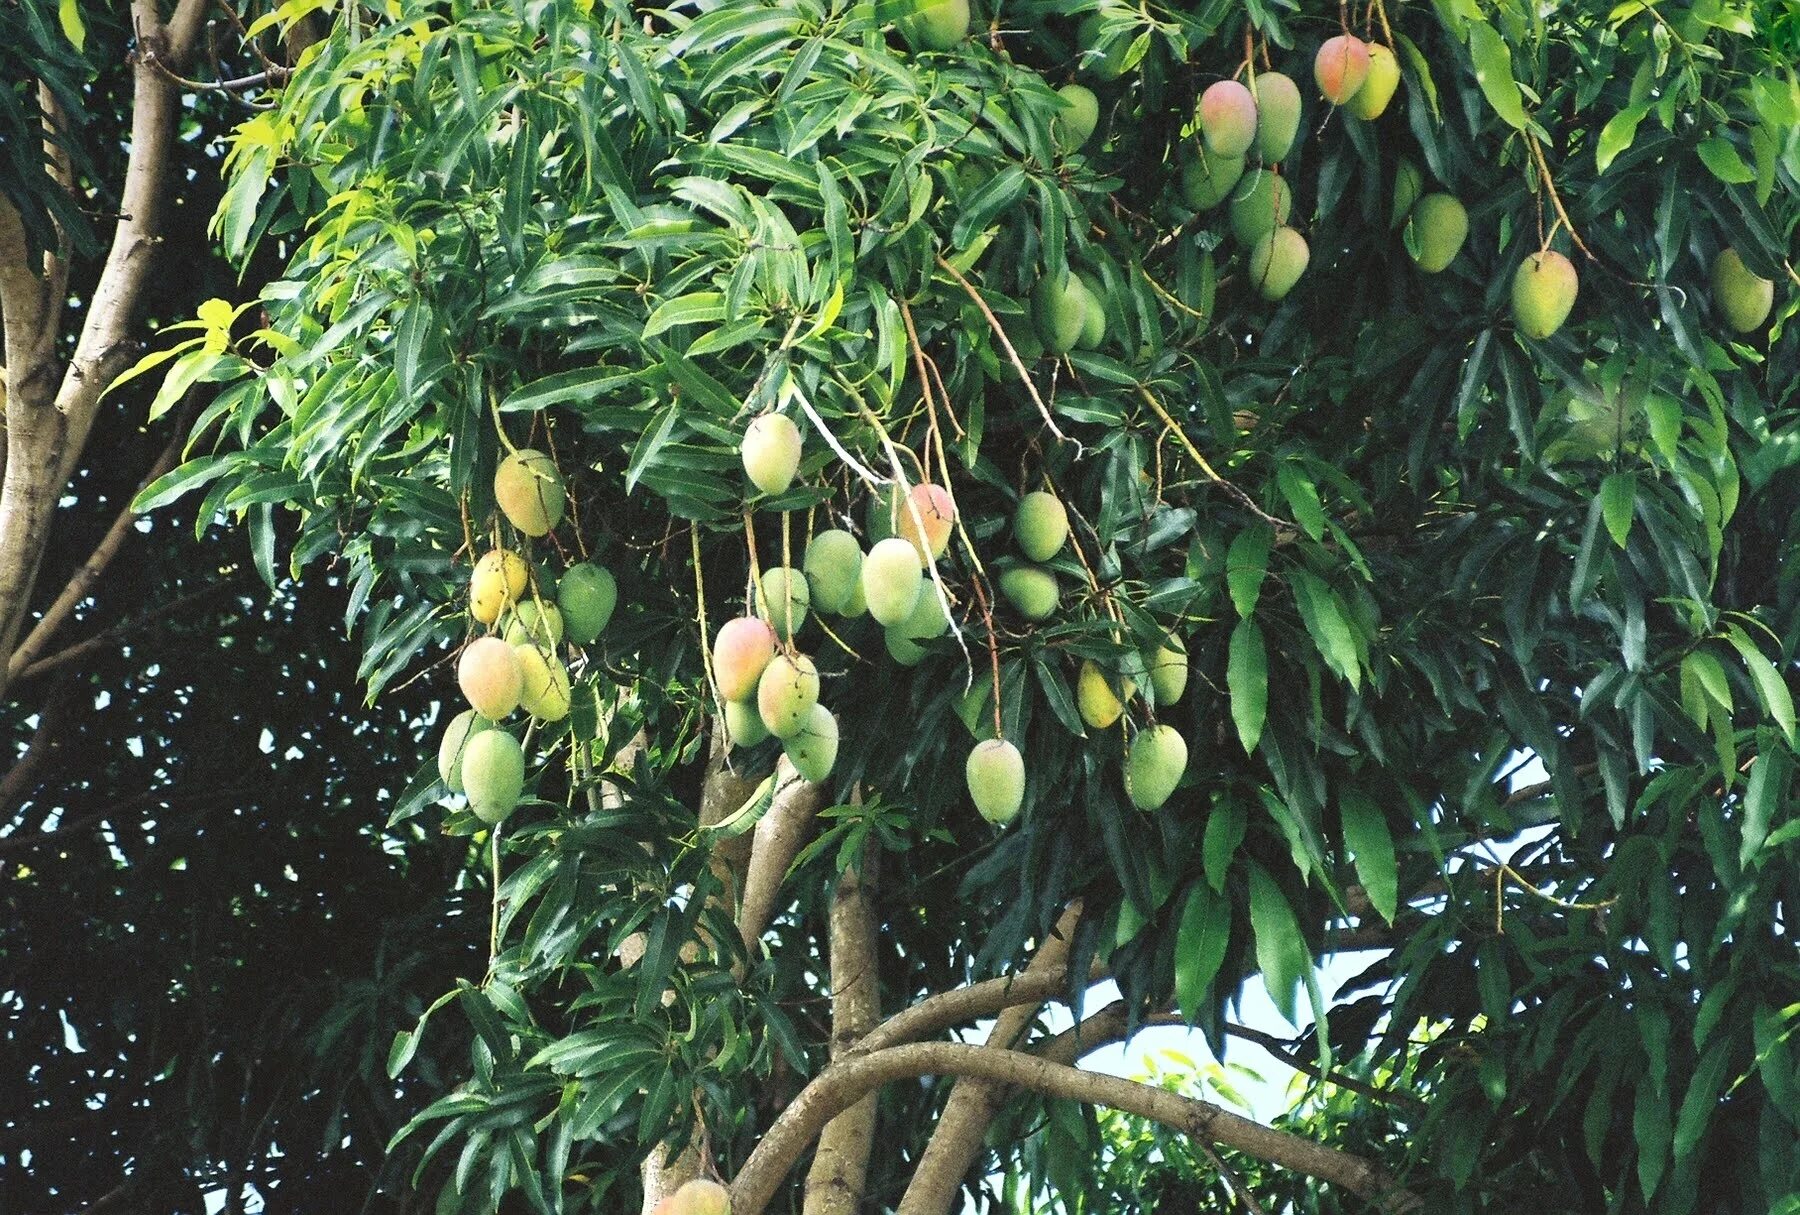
[84,578]
[844,1083]
[1006,342]
[53,716]
[939,1012]
[775,843]
[104,348]
[21,843]
[242,84]
[839,1173]
[114,633]
[956,1141]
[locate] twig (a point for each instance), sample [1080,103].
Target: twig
[1018,363]
[84,578]
[1232,1181]
[1543,165]
[1193,452]
[115,632]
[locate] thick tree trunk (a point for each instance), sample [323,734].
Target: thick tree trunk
[50,409]
[839,1174]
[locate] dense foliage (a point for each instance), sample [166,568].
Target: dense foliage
[1402,543]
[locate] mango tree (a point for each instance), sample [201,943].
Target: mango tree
[912,510]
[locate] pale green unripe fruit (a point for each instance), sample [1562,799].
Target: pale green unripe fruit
[784,600]
[1060,306]
[1371,100]
[1227,118]
[1437,228]
[536,623]
[1040,525]
[1340,67]
[1107,65]
[813,748]
[1154,766]
[1277,115]
[1077,117]
[488,674]
[1207,179]
[833,566]
[1277,261]
[1168,668]
[1743,298]
[1260,203]
[855,604]
[544,685]
[744,724]
[1093,317]
[530,491]
[587,596]
[786,693]
[1543,293]
[493,774]
[771,452]
[741,651]
[936,25]
[995,772]
[1032,590]
[1409,184]
[927,620]
[462,728]
[891,579]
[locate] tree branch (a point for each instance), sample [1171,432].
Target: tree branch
[104,348]
[113,633]
[839,1174]
[956,1141]
[84,578]
[17,785]
[842,1084]
[775,843]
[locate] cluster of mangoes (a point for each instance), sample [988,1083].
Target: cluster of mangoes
[1258,119]
[519,662]
[770,688]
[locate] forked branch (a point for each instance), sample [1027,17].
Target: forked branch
[844,1083]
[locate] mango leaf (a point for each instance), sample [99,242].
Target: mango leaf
[1618,498]
[1200,943]
[1246,563]
[1281,951]
[1702,1097]
[1302,498]
[1771,689]
[68,13]
[1493,72]
[1247,679]
[1617,135]
[1763,793]
[1723,160]
[1328,624]
[1367,836]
